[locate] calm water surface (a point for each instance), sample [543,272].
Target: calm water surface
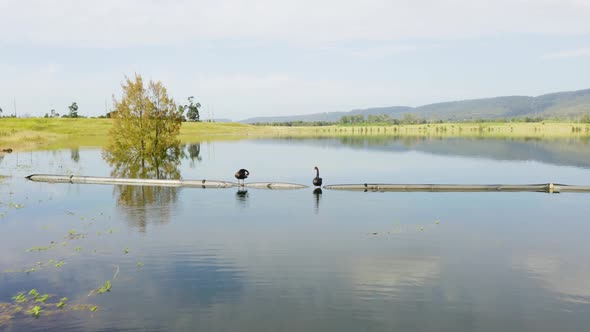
[262,260]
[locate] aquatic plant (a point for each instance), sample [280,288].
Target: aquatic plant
[20,298]
[34,304]
[34,293]
[42,298]
[72,235]
[62,302]
[106,287]
[35,311]
[39,248]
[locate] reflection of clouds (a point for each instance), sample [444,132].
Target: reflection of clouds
[193,279]
[389,275]
[565,277]
[11,260]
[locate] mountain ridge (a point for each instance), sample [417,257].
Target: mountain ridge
[565,104]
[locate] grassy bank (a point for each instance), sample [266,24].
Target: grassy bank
[27,134]
[41,133]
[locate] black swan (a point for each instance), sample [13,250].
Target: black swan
[241,175]
[317,181]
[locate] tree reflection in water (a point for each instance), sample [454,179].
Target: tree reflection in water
[75,154]
[145,204]
[194,153]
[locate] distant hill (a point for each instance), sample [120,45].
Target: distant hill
[569,104]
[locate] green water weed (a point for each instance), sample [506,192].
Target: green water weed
[35,311]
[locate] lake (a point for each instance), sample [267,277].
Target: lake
[187,259]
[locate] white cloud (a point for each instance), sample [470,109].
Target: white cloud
[580,52]
[271,94]
[243,95]
[383,51]
[51,68]
[114,23]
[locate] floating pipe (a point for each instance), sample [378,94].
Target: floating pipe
[131,182]
[274,185]
[157,182]
[568,188]
[546,187]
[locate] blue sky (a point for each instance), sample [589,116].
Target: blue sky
[243,58]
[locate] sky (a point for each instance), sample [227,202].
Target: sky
[244,59]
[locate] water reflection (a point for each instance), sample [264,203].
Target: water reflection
[194,153]
[317,194]
[560,275]
[242,197]
[563,151]
[378,277]
[143,204]
[75,154]
[136,201]
[262,260]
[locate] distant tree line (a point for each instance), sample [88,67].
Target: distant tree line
[385,119]
[295,123]
[409,118]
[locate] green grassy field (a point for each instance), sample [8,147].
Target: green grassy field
[41,133]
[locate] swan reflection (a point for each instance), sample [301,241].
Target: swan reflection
[317,194]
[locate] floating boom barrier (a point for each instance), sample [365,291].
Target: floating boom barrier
[157,182]
[373,187]
[545,187]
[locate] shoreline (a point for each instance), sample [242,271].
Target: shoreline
[40,133]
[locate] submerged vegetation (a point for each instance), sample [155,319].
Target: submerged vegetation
[33,304]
